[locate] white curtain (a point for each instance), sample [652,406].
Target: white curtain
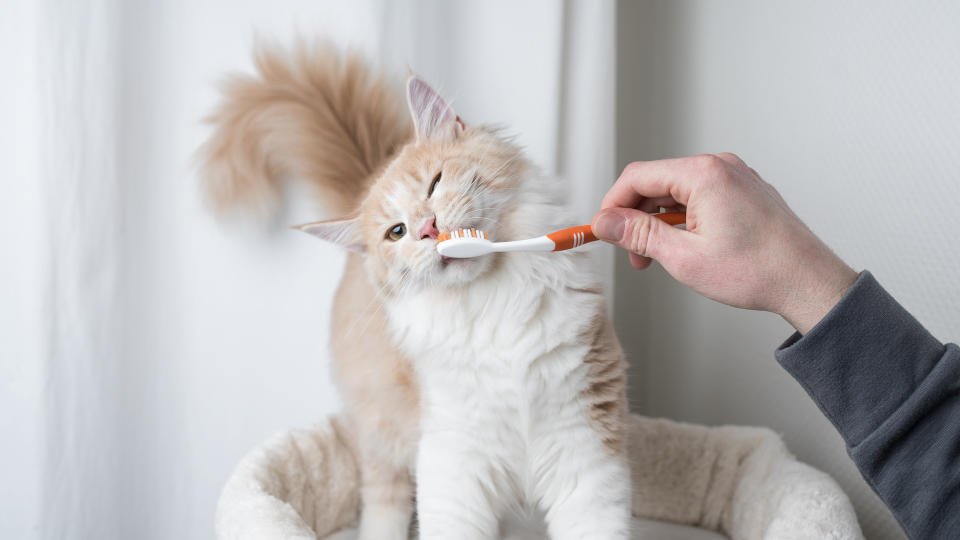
[61,272]
[145,346]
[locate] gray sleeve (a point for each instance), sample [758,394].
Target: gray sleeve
[893,391]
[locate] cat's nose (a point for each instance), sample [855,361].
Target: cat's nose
[429,229]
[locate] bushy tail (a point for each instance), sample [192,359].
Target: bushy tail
[316,115]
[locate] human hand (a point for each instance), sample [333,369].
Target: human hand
[742,246]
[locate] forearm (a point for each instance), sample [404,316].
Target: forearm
[893,391]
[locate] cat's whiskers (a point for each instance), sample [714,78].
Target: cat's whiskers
[476,214]
[484,189]
[469,215]
[377,297]
[395,289]
[507,162]
[482,209]
[475,211]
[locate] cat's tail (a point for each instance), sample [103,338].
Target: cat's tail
[315,115]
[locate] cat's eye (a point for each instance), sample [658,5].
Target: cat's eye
[433,185]
[396,232]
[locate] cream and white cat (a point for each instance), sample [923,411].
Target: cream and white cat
[497,380]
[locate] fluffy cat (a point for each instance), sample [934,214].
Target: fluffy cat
[497,380]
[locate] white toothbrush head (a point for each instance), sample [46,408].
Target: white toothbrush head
[464,243]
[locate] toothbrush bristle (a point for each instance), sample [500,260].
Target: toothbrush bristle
[458,234]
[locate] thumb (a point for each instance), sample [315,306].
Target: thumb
[637,232]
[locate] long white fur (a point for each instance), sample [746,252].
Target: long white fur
[501,370]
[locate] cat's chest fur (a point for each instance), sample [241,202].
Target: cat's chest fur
[504,348]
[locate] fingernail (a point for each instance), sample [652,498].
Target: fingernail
[610,227]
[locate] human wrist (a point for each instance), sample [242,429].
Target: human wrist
[819,289]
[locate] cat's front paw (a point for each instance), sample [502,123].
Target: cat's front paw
[384,523]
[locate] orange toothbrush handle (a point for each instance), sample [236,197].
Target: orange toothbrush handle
[672,218]
[571,237]
[577,236]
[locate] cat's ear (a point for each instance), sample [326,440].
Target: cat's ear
[342,232]
[433,117]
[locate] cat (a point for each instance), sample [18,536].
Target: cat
[480,388]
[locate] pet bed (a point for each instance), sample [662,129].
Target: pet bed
[707,482]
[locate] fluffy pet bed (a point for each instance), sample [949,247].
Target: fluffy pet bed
[739,482]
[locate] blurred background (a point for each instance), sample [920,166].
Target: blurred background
[145,346]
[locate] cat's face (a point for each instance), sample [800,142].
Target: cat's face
[450,177]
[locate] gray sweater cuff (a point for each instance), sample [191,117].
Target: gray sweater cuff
[863,360]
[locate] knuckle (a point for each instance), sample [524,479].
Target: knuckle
[714,171]
[709,164]
[632,168]
[731,158]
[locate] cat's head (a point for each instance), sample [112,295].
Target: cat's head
[450,176]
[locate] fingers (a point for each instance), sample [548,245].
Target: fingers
[640,233]
[642,189]
[670,180]
[673,178]
[639,262]
[653,205]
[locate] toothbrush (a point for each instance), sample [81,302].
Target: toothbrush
[464,243]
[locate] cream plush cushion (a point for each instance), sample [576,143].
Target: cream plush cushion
[706,482]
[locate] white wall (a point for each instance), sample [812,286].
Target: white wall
[851,110]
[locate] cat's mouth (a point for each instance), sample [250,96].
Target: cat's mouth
[455,261]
